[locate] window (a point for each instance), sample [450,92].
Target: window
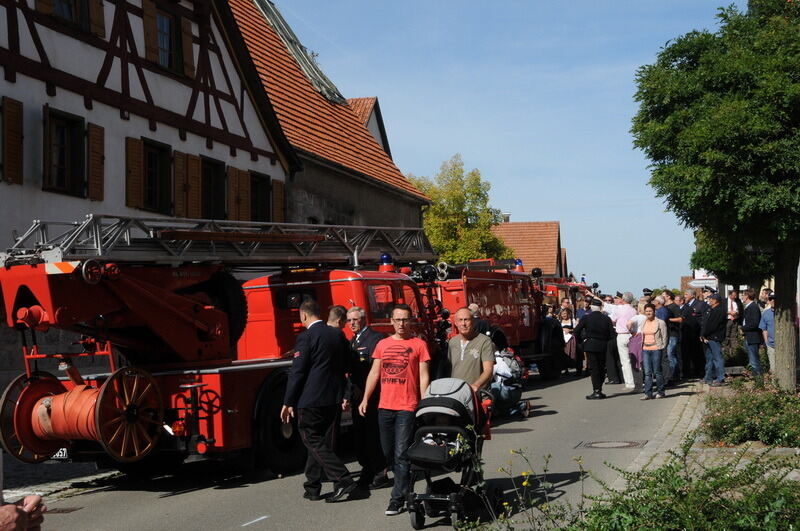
[64,151]
[260,197]
[381,300]
[70,10]
[291,300]
[168,41]
[157,189]
[410,297]
[213,189]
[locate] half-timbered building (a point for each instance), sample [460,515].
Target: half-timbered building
[134,107]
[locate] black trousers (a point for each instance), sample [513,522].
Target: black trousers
[597,364]
[612,361]
[317,427]
[692,355]
[368,444]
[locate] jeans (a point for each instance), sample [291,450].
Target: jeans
[397,431]
[714,362]
[673,359]
[506,399]
[752,357]
[651,361]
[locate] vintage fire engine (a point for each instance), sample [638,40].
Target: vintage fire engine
[196,320]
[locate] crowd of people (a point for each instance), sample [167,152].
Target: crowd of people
[384,378]
[668,337]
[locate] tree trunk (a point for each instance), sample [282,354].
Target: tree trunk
[787,257]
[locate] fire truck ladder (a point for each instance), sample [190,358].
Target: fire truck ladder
[175,241]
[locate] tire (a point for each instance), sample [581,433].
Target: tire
[417,515]
[278,446]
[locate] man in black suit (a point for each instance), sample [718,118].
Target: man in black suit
[712,333]
[365,428]
[314,393]
[594,332]
[752,332]
[691,347]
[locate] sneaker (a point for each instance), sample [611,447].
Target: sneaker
[646,397]
[395,507]
[661,395]
[525,409]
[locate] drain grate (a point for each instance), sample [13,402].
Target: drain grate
[611,445]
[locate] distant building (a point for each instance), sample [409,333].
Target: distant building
[537,244]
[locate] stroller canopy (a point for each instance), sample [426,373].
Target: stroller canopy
[449,396]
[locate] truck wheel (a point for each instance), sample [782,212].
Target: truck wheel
[278,445]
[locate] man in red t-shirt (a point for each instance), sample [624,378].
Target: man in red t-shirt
[401,365]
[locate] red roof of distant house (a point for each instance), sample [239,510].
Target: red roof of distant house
[362,107]
[536,243]
[312,124]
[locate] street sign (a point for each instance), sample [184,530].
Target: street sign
[700,283]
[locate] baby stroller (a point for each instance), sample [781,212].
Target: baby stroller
[450,428]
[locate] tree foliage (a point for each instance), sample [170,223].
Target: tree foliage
[731,263]
[719,119]
[459,219]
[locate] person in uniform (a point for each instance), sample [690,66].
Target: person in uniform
[471,354]
[594,331]
[314,393]
[365,428]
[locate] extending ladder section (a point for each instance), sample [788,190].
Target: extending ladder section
[177,241]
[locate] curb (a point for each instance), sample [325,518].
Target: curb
[57,489]
[684,417]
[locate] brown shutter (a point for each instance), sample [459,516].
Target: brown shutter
[96,161]
[97,19]
[233,193]
[181,184]
[12,140]
[188,47]
[150,30]
[194,194]
[277,201]
[244,195]
[44,6]
[134,174]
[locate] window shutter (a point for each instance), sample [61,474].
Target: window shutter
[150,30]
[233,193]
[194,193]
[181,184]
[244,195]
[97,19]
[12,140]
[44,6]
[96,161]
[188,47]
[134,174]
[277,201]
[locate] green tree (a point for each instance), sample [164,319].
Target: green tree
[733,264]
[459,219]
[719,119]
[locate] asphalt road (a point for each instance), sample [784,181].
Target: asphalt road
[208,497]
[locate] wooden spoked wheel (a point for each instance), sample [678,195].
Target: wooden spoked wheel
[16,406]
[130,414]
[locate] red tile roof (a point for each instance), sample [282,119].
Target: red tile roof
[312,124]
[362,107]
[536,243]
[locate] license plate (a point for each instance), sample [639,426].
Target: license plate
[61,455]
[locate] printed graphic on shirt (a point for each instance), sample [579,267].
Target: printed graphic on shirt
[395,364]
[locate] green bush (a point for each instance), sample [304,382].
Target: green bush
[751,412]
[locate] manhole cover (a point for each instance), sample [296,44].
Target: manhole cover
[611,445]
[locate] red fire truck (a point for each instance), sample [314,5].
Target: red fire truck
[196,360]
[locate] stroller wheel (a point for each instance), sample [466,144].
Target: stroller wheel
[417,516]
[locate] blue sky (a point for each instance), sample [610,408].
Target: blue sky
[537,94]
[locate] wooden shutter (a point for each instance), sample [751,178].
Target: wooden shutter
[187,47]
[12,140]
[181,183]
[194,193]
[97,18]
[277,201]
[233,193]
[96,161]
[44,6]
[150,30]
[244,195]
[134,173]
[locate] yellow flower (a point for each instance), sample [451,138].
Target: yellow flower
[505,504]
[525,483]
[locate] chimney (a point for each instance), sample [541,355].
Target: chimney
[506,217]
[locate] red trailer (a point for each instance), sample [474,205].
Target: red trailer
[196,364]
